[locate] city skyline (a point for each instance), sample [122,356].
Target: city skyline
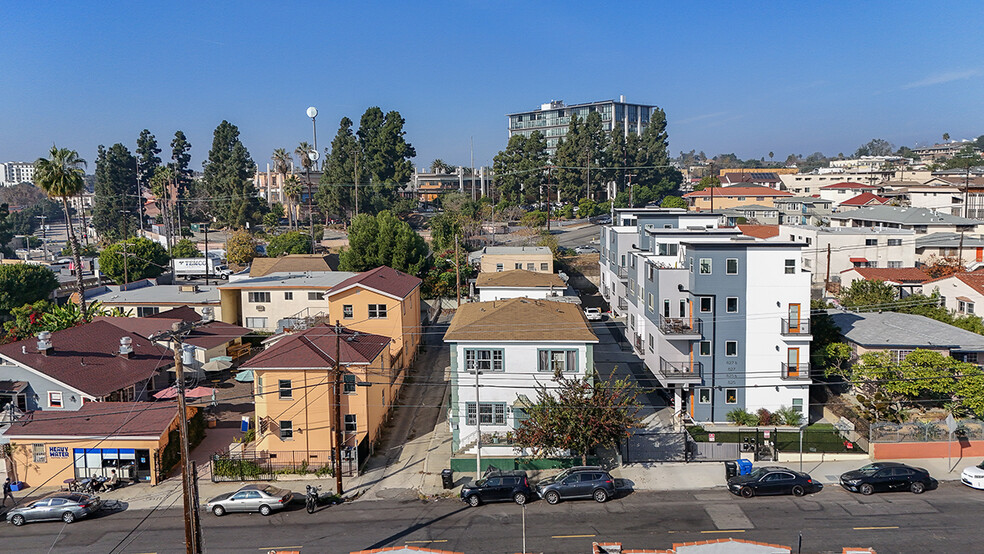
[817,79]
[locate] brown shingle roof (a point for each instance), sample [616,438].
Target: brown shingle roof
[184,313]
[293,263]
[519,278]
[384,279]
[760,231]
[99,419]
[208,336]
[315,347]
[86,358]
[738,190]
[520,319]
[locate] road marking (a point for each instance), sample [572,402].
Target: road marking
[572,536]
[872,528]
[280,547]
[723,531]
[422,542]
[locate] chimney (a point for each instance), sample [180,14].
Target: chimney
[44,343]
[126,348]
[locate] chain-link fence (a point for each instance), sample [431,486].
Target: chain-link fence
[925,431]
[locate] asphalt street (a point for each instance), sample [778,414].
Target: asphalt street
[944,520]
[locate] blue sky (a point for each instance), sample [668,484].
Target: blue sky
[743,77]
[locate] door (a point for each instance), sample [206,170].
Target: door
[237,503]
[882,481]
[794,318]
[769,484]
[901,477]
[792,362]
[56,508]
[493,489]
[143,464]
[39,510]
[569,487]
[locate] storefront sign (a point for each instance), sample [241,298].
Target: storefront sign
[57,452]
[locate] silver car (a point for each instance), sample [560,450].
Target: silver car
[250,498]
[66,506]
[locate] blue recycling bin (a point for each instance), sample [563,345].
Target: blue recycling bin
[744,466]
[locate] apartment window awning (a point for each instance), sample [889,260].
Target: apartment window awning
[964,299]
[522,402]
[859,260]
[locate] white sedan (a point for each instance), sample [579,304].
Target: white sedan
[593,314]
[973,476]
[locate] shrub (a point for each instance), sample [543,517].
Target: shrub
[787,416]
[741,416]
[765,417]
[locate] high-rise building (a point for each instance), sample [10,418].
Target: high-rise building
[553,118]
[15,173]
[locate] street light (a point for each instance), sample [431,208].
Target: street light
[313,156]
[312,112]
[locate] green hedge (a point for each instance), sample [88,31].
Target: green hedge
[819,437]
[467,464]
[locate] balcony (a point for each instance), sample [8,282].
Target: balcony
[685,371]
[623,273]
[794,328]
[796,372]
[680,328]
[640,348]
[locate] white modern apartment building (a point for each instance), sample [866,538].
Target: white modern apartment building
[850,247]
[15,173]
[920,220]
[719,318]
[552,118]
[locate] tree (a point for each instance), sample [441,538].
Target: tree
[710,181]
[292,193]
[579,414]
[946,137]
[181,165]
[380,240]
[966,159]
[144,259]
[60,176]
[979,143]
[185,248]
[240,248]
[439,166]
[282,164]
[386,155]
[335,196]
[24,284]
[439,282]
[292,242]
[518,170]
[228,179]
[116,187]
[673,202]
[868,294]
[875,147]
[937,267]
[147,163]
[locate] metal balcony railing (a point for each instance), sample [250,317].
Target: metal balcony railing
[623,304]
[623,273]
[679,326]
[801,327]
[680,370]
[796,372]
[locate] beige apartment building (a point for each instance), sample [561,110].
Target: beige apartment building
[262,303]
[504,258]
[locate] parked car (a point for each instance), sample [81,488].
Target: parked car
[66,506]
[499,486]
[973,476]
[593,314]
[577,482]
[250,498]
[771,481]
[887,477]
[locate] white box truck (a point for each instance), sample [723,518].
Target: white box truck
[194,268]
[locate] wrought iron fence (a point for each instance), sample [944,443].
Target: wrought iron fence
[269,466]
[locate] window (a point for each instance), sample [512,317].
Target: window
[498,267]
[557,361]
[666,307]
[351,425]
[492,413]
[683,308]
[349,383]
[732,305]
[286,430]
[483,360]
[731,266]
[288,295]
[965,307]
[258,297]
[347,311]
[652,302]
[316,296]
[731,348]
[39,456]
[144,311]
[895,242]
[690,264]
[730,396]
[706,304]
[667,249]
[377,311]
[871,242]
[256,322]
[705,266]
[894,264]
[899,355]
[649,271]
[530,266]
[519,265]
[544,266]
[286,392]
[790,267]
[652,347]
[55,399]
[703,396]
[705,348]
[798,405]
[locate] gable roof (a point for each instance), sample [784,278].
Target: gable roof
[900,275]
[184,313]
[99,419]
[974,280]
[316,348]
[519,278]
[382,279]
[738,190]
[893,330]
[750,177]
[520,319]
[759,231]
[86,358]
[864,199]
[849,185]
[296,263]
[207,336]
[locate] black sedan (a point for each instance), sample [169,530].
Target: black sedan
[888,477]
[773,480]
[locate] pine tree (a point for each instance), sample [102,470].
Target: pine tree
[336,193]
[115,190]
[228,179]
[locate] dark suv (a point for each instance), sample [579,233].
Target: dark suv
[498,486]
[577,482]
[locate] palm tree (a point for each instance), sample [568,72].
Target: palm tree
[292,190]
[302,151]
[282,163]
[60,176]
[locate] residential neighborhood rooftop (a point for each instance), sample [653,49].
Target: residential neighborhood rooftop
[520,319]
[293,263]
[897,330]
[949,240]
[849,185]
[382,279]
[739,190]
[760,231]
[473,257]
[311,280]
[974,280]
[147,292]
[864,199]
[519,278]
[207,336]
[318,347]
[901,275]
[905,216]
[99,420]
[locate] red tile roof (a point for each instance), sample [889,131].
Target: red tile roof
[974,280]
[383,279]
[738,190]
[849,185]
[864,199]
[315,348]
[99,419]
[760,231]
[405,550]
[86,358]
[900,275]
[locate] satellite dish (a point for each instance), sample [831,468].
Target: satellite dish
[313,155]
[312,112]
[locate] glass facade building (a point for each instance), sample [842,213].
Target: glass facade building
[552,118]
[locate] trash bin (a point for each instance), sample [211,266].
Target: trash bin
[730,469]
[744,466]
[447,478]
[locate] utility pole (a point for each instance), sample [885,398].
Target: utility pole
[356,155]
[44,235]
[206,254]
[631,190]
[85,227]
[457,272]
[826,281]
[337,411]
[472,174]
[549,178]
